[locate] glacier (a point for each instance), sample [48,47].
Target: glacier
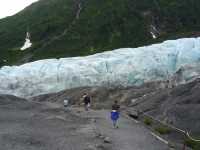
[121,67]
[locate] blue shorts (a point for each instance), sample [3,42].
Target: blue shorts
[114,116]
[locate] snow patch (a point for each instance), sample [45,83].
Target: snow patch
[153,35]
[154,32]
[27,43]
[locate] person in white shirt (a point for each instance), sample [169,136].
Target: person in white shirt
[66,103]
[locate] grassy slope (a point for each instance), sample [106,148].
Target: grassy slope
[102,25]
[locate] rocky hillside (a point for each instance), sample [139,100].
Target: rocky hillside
[177,106]
[62,28]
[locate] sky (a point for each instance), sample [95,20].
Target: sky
[11,7]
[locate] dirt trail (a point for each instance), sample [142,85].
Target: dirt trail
[129,136]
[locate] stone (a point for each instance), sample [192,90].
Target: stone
[107,140]
[133,113]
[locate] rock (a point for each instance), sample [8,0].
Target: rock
[101,136]
[98,135]
[133,113]
[133,101]
[78,112]
[107,140]
[100,147]
[93,120]
[91,147]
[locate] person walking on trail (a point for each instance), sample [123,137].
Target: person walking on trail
[115,114]
[65,103]
[87,101]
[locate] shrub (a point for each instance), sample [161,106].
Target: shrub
[190,143]
[148,121]
[162,130]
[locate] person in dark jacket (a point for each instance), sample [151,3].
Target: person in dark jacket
[87,101]
[115,114]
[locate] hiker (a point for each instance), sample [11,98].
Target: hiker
[87,101]
[66,103]
[115,114]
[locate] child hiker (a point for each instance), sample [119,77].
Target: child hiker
[115,114]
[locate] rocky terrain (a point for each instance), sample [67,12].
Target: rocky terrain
[173,105]
[178,106]
[27,125]
[30,126]
[42,123]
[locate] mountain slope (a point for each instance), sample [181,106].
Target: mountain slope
[61,28]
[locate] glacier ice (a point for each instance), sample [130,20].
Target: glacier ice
[125,67]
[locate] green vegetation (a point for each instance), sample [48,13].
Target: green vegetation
[194,145]
[148,121]
[58,31]
[171,145]
[162,130]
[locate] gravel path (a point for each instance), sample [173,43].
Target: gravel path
[129,136]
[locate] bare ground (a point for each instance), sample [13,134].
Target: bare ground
[34,126]
[46,126]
